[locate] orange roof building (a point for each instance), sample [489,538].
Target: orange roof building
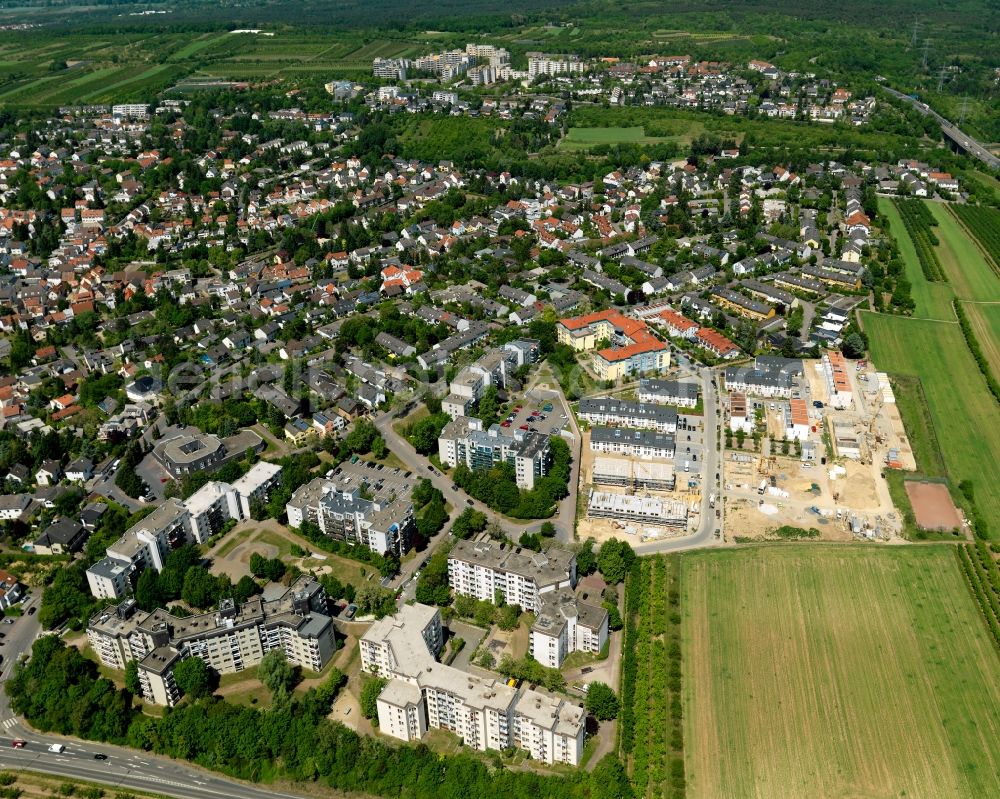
[633,348]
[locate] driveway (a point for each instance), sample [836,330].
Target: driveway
[472,636]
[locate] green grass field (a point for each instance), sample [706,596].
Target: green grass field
[963,410]
[836,671]
[933,299]
[968,272]
[585,138]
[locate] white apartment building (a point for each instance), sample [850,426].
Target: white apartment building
[544,64]
[463,440]
[481,568]
[549,728]
[565,625]
[382,524]
[485,713]
[131,110]
[147,543]
[233,638]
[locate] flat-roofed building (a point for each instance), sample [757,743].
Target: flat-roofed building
[550,728]
[565,624]
[484,712]
[481,568]
[230,639]
[362,507]
[645,510]
[651,475]
[464,441]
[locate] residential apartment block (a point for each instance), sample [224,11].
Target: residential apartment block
[481,568]
[545,64]
[770,376]
[233,638]
[633,347]
[485,713]
[464,441]
[384,523]
[669,392]
[147,543]
[564,625]
[634,443]
[641,415]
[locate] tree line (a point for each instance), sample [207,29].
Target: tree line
[60,691]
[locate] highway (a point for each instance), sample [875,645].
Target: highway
[951,131]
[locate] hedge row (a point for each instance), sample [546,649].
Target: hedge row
[918,222]
[978,579]
[977,353]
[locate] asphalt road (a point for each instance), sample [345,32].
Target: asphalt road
[124,768]
[960,137]
[711,465]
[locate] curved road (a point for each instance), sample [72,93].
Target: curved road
[960,137]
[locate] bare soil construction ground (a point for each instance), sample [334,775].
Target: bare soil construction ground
[603,529]
[932,505]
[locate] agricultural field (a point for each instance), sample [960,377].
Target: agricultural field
[983,223]
[136,66]
[967,270]
[831,672]
[985,322]
[933,299]
[919,225]
[956,394]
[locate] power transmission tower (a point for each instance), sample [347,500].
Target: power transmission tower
[927,47]
[965,107]
[916,28]
[941,74]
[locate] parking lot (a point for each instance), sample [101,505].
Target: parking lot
[535,414]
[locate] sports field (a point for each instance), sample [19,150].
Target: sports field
[963,410]
[836,671]
[933,299]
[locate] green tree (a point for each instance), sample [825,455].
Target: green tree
[369,698]
[193,677]
[276,673]
[601,702]
[132,684]
[614,560]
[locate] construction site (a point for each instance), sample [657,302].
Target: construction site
[820,459]
[640,500]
